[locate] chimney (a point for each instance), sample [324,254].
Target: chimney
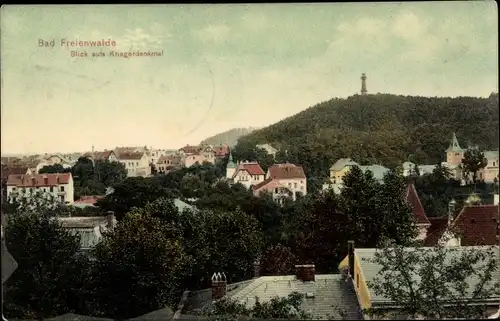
[219,285]
[305,273]
[350,255]
[451,210]
[256,268]
[110,218]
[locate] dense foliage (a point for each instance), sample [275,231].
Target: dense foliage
[379,128]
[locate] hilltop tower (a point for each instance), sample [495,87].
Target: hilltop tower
[363,84]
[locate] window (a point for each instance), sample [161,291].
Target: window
[62,188]
[13,189]
[52,188]
[137,164]
[295,185]
[276,190]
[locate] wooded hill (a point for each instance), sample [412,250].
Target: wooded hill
[229,137]
[382,128]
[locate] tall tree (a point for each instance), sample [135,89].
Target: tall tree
[47,263]
[473,162]
[421,281]
[141,261]
[277,260]
[109,173]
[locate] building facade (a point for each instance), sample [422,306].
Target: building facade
[60,186]
[136,164]
[283,181]
[247,173]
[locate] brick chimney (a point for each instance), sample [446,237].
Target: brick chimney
[306,272]
[110,219]
[350,257]
[219,286]
[256,268]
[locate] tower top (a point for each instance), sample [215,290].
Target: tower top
[363,84]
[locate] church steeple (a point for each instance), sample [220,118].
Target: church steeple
[230,163]
[454,145]
[363,84]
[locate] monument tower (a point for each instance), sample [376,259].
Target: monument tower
[363,84]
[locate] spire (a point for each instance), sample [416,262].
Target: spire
[230,163]
[454,145]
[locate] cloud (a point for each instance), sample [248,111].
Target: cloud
[408,25]
[139,39]
[214,33]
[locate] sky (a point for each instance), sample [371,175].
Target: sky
[225,66]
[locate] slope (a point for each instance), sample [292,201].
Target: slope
[384,129]
[229,137]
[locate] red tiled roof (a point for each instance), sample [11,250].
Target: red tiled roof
[261,184]
[286,171]
[476,225]
[252,169]
[221,151]
[416,205]
[14,170]
[99,155]
[190,149]
[89,199]
[132,156]
[436,230]
[38,180]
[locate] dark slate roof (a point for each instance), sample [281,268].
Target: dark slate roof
[436,230]
[77,317]
[477,225]
[162,314]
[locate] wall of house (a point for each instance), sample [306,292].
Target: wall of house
[190,160]
[454,158]
[247,180]
[422,233]
[360,286]
[295,185]
[336,177]
[137,167]
[112,158]
[67,191]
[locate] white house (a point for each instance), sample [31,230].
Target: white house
[58,185]
[107,155]
[283,181]
[136,164]
[248,174]
[268,148]
[52,160]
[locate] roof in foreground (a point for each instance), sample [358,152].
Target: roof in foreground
[370,269]
[330,291]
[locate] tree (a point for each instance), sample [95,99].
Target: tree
[277,308]
[235,240]
[132,192]
[421,281]
[52,169]
[48,263]
[141,261]
[109,173]
[473,162]
[277,260]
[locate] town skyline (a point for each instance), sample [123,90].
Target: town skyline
[225,66]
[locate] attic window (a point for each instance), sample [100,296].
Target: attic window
[309,295]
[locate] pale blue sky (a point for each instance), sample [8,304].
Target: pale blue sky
[226,66]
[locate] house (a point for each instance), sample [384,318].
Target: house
[167,163]
[359,267]
[283,181]
[490,173]
[87,201]
[106,155]
[411,168]
[52,160]
[268,148]
[188,149]
[209,153]
[89,229]
[221,151]
[421,219]
[197,158]
[136,164]
[344,165]
[59,185]
[475,225]
[324,294]
[247,173]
